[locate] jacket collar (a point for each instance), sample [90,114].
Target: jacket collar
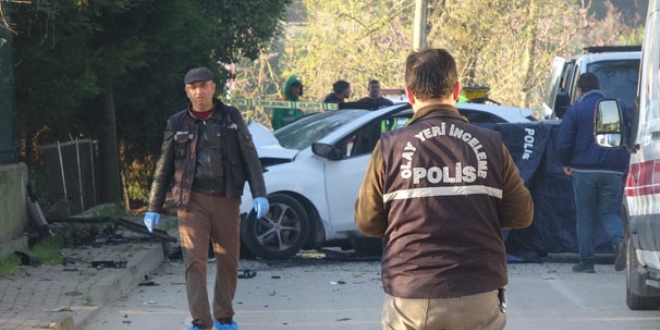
[592,92]
[437,111]
[216,114]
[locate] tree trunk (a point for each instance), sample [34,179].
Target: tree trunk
[530,48]
[110,187]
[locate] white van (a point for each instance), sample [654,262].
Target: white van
[617,69]
[642,191]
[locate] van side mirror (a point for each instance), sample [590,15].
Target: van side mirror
[608,125]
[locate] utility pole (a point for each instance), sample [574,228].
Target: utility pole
[419,39]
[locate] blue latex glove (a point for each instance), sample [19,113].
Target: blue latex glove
[151,219]
[261,206]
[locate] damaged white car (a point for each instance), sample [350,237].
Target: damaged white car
[313,169]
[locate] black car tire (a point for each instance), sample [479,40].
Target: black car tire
[636,282]
[281,233]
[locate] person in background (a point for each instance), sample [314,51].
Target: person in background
[293,90]
[341,90]
[209,152]
[598,175]
[374,100]
[438,192]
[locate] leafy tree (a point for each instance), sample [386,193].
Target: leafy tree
[634,37]
[112,69]
[355,41]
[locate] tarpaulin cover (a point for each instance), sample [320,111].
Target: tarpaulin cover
[532,146]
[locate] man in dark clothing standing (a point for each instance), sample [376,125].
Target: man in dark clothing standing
[374,100]
[341,90]
[439,192]
[597,175]
[209,152]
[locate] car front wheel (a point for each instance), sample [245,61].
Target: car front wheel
[281,233]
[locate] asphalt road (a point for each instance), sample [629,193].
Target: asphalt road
[328,295]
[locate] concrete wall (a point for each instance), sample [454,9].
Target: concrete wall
[13,220]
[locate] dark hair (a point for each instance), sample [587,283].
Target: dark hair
[373,82]
[431,73]
[340,86]
[588,82]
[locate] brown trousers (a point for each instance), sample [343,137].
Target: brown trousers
[218,219]
[480,311]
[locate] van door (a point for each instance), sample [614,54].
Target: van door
[552,86]
[643,184]
[559,87]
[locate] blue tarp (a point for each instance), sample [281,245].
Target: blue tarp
[532,146]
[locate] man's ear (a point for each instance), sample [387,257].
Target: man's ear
[410,96]
[457,91]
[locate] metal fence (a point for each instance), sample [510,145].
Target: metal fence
[72,175]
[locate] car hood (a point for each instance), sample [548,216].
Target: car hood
[267,144]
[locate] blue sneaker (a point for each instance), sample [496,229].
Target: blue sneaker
[218,326]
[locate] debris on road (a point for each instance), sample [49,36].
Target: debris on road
[246,273]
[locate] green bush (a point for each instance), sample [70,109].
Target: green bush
[8,264]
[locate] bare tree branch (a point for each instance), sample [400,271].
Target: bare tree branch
[4,22]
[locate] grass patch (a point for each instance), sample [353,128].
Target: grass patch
[9,264]
[111,210]
[126,248]
[48,251]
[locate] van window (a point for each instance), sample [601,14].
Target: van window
[618,79]
[575,93]
[551,87]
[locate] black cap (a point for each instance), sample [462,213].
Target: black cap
[198,74]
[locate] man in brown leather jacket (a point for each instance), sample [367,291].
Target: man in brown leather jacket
[438,192]
[209,152]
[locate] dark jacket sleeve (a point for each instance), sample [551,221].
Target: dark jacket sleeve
[251,162]
[517,205]
[164,171]
[370,213]
[566,136]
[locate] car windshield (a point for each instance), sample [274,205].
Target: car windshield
[618,79]
[301,133]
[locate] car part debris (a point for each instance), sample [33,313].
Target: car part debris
[128,224]
[98,264]
[28,258]
[246,273]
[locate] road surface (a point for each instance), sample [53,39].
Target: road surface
[318,294]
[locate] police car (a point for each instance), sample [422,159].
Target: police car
[313,168]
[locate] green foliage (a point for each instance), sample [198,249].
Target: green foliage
[48,251]
[355,41]
[505,44]
[69,53]
[110,210]
[9,264]
[635,37]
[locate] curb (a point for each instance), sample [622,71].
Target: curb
[111,287]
